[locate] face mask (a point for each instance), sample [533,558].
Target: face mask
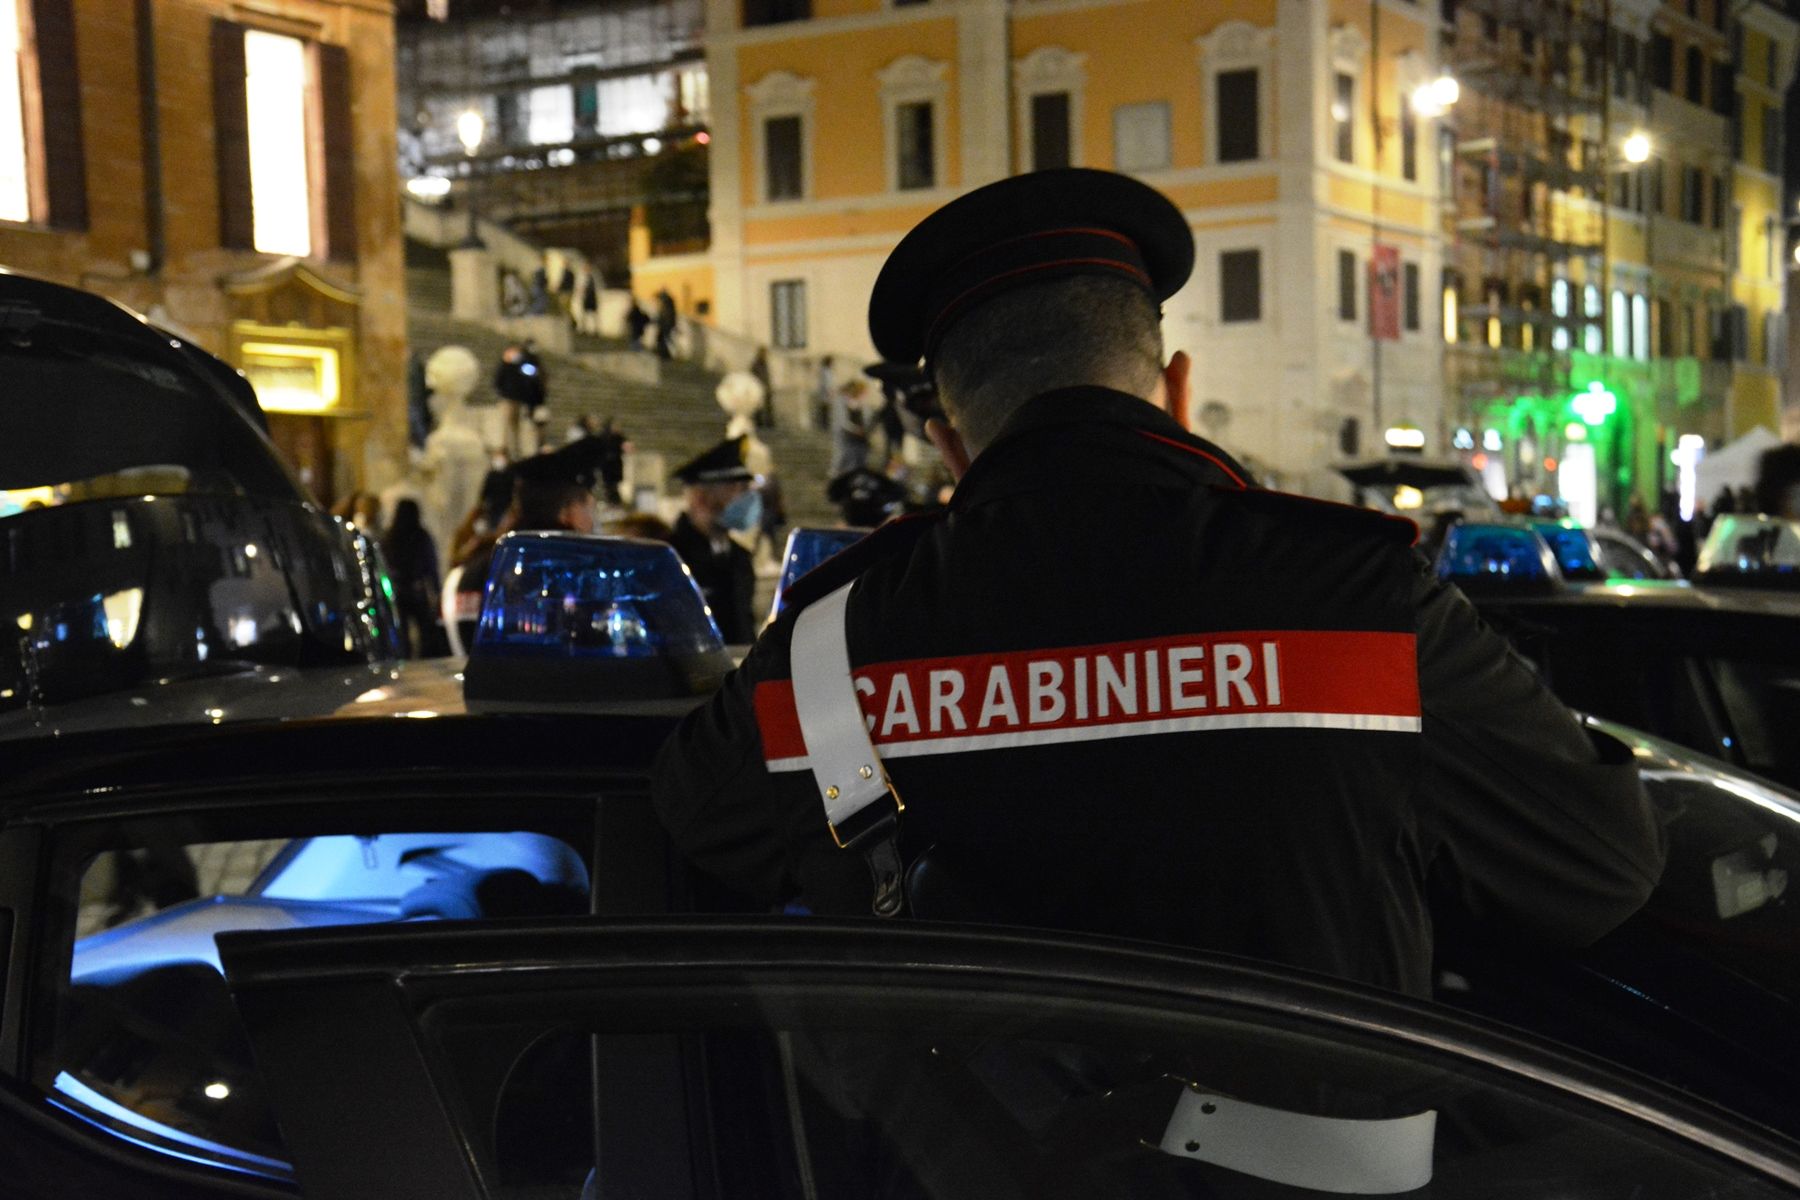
[744,513]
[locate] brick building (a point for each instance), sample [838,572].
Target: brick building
[227,169]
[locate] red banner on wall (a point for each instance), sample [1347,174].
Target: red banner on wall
[1384,293]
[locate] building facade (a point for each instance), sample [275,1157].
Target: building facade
[228,170]
[587,110]
[1617,239]
[1284,129]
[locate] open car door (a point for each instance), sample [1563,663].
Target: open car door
[807,1058]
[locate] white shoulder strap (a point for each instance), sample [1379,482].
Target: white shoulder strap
[845,767]
[1324,1154]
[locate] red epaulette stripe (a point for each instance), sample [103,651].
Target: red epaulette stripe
[1214,459]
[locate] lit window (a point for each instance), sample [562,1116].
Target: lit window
[15,189]
[280,193]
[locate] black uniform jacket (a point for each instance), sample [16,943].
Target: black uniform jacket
[1125,693]
[727,577]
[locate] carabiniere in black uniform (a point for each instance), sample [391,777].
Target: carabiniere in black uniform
[1121,691]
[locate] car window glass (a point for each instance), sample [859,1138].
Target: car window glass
[861,1090]
[1734,847]
[147,1039]
[1762,698]
[1622,560]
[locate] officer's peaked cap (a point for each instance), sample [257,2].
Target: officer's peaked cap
[723,463]
[574,465]
[1020,231]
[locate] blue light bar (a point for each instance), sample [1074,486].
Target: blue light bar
[1751,550]
[1508,558]
[807,547]
[570,617]
[1573,547]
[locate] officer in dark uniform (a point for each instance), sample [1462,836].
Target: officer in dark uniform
[550,492]
[721,500]
[1121,690]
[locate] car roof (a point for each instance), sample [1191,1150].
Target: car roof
[1666,594]
[286,727]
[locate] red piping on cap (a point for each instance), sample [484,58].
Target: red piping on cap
[950,309]
[1114,234]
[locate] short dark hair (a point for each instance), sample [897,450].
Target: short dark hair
[540,505]
[1085,329]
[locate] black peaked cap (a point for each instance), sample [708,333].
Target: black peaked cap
[576,464]
[1024,230]
[723,463]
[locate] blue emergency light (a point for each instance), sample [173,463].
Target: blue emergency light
[807,547]
[570,617]
[1480,557]
[1750,550]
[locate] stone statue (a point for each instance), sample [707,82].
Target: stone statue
[740,394]
[455,459]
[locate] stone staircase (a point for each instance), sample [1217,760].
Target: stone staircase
[676,417]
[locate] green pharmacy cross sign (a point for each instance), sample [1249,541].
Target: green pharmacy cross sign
[1594,405]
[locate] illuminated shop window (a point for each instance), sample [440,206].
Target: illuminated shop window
[15,188]
[280,191]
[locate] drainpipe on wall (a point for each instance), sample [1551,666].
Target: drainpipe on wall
[150,133]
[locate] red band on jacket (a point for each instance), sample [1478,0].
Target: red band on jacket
[1290,679]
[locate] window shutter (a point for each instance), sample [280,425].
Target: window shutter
[231,137]
[340,152]
[59,86]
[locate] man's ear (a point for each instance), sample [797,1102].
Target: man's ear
[1175,386]
[949,444]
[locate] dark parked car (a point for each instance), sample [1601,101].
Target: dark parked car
[429,947]
[150,530]
[1714,668]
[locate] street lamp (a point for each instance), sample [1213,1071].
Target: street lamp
[1637,148]
[471,126]
[1435,97]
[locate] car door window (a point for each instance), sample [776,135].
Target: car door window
[812,1089]
[147,1041]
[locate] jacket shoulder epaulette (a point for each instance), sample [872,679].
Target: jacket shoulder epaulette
[1328,516]
[883,542]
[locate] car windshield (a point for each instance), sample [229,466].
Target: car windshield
[168,432]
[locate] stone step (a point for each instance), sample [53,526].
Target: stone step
[676,417]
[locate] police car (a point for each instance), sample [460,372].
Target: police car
[1714,667]
[428,938]
[151,531]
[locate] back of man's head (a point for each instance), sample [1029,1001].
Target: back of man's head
[1082,330]
[540,506]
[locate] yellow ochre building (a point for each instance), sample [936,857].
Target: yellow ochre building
[1420,226]
[1283,128]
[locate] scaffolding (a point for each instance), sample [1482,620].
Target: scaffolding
[1527,218]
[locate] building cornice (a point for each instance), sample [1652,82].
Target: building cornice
[791,31]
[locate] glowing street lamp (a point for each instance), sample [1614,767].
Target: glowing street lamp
[471,127]
[1637,147]
[1434,98]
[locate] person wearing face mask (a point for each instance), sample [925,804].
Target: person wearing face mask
[721,501]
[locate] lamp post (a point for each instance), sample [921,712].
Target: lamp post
[471,126]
